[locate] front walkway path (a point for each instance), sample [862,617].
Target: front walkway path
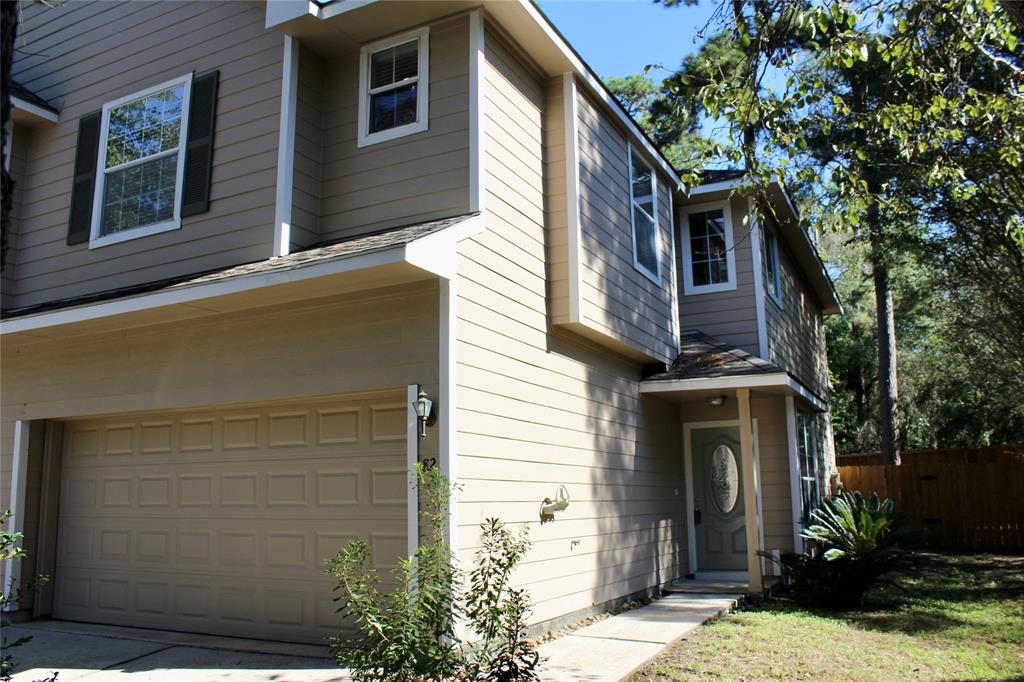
[611,649]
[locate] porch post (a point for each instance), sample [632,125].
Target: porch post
[749,490]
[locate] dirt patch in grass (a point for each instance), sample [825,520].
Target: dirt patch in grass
[933,617]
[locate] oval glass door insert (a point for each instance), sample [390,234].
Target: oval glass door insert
[725,479]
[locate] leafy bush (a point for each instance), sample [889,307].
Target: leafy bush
[10,548]
[410,634]
[854,540]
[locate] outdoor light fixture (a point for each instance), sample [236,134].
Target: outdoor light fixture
[425,411]
[716,400]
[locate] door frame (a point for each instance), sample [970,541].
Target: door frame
[691,528]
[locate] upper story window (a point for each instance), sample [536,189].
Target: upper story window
[643,187]
[709,263]
[770,259]
[140,164]
[393,87]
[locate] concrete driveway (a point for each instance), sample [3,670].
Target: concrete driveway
[100,653]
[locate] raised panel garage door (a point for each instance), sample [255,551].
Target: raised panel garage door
[220,521]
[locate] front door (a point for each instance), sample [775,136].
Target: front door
[718,499]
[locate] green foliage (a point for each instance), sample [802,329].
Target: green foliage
[10,548]
[410,633]
[855,540]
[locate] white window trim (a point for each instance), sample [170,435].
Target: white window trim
[365,138]
[97,241]
[640,267]
[730,255]
[772,248]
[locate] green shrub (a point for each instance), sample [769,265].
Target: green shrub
[410,634]
[853,541]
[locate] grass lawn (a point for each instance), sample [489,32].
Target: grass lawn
[934,617]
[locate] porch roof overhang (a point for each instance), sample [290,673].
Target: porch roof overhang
[394,256]
[780,383]
[706,366]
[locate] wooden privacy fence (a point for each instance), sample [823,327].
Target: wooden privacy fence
[967,499]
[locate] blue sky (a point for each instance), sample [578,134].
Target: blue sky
[620,37]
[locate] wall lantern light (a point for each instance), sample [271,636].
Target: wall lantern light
[716,401]
[425,411]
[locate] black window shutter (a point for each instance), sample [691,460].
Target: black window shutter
[84,183]
[195,194]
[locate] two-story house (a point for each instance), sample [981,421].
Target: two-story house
[247,235]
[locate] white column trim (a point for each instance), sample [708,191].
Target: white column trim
[447,448]
[794,474]
[677,324]
[412,456]
[572,194]
[286,148]
[750,492]
[477,104]
[755,253]
[757,487]
[16,524]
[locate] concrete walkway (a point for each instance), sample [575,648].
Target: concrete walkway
[611,649]
[606,651]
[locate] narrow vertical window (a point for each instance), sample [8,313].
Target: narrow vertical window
[807,448]
[643,206]
[770,258]
[393,88]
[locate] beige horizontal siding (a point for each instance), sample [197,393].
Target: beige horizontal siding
[85,54]
[365,342]
[538,409]
[409,179]
[309,143]
[19,142]
[727,315]
[796,331]
[619,301]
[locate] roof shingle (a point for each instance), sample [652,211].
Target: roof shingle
[705,357]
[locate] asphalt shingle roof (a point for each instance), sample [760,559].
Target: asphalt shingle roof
[21,92]
[705,357]
[322,253]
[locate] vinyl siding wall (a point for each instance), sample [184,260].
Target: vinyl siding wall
[619,301]
[309,151]
[407,180]
[382,339]
[796,332]
[19,141]
[727,315]
[86,54]
[537,409]
[556,212]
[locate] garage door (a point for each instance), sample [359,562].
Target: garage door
[219,521]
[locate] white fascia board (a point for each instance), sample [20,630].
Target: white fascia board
[286,148]
[283,11]
[714,187]
[774,380]
[336,8]
[599,89]
[477,120]
[199,292]
[570,115]
[436,253]
[33,110]
[755,252]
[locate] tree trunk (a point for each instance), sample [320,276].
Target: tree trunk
[9,27]
[888,391]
